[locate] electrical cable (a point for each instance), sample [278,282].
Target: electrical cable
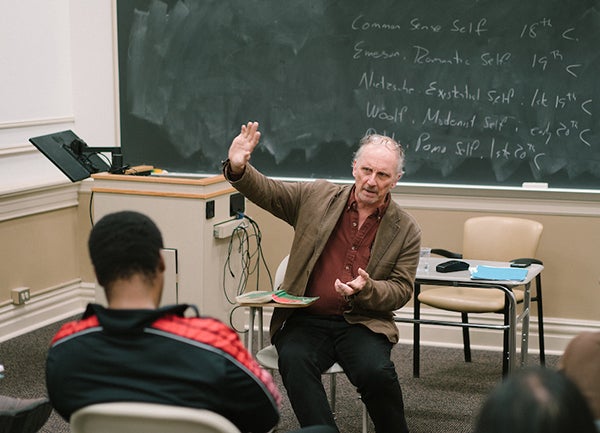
[260,252]
[90,208]
[246,240]
[104,157]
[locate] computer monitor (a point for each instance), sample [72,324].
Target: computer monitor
[73,156]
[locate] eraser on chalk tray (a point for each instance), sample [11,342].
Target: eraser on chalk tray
[535,185]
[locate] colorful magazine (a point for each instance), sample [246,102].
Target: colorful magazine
[279,296]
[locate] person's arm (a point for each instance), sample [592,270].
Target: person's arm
[248,394]
[248,402]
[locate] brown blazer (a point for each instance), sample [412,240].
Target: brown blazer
[313,209]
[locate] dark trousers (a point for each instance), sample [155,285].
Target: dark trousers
[308,345]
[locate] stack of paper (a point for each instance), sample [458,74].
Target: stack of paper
[498,273]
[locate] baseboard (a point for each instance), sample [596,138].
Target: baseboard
[557,332]
[59,303]
[49,306]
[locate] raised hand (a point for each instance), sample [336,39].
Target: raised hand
[242,147]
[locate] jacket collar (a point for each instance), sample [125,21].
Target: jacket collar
[131,321]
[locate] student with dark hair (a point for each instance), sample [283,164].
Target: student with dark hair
[135,351]
[536,400]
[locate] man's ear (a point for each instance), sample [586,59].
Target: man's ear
[399,177]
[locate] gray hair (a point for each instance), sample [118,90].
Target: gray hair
[382,140]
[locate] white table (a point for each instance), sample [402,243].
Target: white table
[463,279]
[256,309]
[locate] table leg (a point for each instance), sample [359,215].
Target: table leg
[260,329]
[251,313]
[525,326]
[512,337]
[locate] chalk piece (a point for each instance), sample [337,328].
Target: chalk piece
[535,185]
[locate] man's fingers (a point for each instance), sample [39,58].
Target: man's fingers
[249,130]
[363,273]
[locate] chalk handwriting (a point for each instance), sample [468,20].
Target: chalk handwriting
[477,28]
[359,23]
[379,112]
[370,81]
[422,57]
[502,82]
[437,117]
[532,30]
[464,92]
[416,25]
[361,52]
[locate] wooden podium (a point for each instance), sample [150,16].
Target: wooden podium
[186,211]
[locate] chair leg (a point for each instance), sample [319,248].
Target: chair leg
[332,388]
[364,419]
[332,382]
[416,332]
[540,309]
[466,337]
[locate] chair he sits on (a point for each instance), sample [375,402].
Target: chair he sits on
[267,356]
[494,238]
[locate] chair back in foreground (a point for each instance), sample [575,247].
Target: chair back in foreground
[133,417]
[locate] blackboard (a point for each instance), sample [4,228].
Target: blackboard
[481,92]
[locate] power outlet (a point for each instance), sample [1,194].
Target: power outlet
[20,295]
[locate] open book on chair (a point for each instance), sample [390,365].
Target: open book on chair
[279,296]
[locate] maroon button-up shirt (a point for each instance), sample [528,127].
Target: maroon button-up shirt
[347,249]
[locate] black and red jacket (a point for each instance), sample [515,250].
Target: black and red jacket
[159,356]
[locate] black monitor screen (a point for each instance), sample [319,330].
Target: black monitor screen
[69,153]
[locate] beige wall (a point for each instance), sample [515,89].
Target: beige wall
[47,249]
[568,249]
[276,241]
[44,250]
[39,251]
